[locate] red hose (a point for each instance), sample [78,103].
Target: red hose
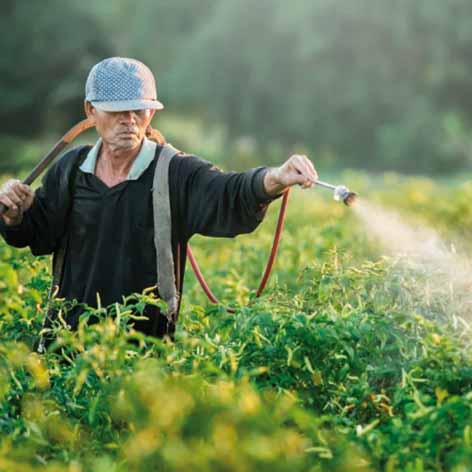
[201,279]
[270,262]
[275,245]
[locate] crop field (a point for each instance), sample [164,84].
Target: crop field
[354,358]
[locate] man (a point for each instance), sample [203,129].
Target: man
[101,214]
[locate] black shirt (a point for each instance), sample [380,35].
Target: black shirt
[110,231]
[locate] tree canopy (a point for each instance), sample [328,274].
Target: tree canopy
[379,84]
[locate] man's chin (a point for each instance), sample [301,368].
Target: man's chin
[128,143]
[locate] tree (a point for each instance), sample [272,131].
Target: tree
[45,60]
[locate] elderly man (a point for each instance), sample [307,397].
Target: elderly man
[95,204]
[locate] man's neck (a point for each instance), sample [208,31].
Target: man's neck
[115,162]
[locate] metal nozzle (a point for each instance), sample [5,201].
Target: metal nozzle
[340,193]
[351,199]
[343,193]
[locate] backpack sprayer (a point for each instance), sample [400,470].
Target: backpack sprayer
[341,193]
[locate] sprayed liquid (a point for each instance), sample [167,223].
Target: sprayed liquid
[419,248]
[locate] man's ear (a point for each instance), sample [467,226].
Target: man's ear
[89,111]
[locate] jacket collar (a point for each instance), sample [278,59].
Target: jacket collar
[141,163]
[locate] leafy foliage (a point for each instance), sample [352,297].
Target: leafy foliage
[345,364]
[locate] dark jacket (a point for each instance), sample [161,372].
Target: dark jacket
[108,232]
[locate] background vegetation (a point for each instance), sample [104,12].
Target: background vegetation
[371,84]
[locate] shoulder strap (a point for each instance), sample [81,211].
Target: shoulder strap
[163,232]
[58,263]
[59,254]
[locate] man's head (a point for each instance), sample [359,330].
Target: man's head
[121,99]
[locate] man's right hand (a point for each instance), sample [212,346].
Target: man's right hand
[18,198]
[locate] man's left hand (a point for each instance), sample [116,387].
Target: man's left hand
[297,170]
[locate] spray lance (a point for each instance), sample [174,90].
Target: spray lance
[340,193]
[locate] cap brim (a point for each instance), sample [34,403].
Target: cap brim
[125,105]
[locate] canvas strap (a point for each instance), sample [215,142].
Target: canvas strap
[163,232]
[59,254]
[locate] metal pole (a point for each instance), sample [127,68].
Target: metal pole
[325,185]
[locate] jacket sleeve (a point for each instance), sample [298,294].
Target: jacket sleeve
[215,203]
[43,223]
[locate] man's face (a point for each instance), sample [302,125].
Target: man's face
[120,129]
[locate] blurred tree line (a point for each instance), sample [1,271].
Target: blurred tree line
[374,83]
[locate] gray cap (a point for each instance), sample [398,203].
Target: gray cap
[120,84]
